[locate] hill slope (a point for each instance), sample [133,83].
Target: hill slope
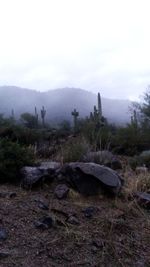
[60,102]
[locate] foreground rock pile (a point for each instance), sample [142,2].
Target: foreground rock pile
[86,178]
[67,222]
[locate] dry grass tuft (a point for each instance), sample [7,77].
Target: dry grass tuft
[73,150]
[134,183]
[74,195]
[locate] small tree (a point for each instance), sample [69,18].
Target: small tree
[29,120]
[13,157]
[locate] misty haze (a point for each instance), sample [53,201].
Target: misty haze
[74,133]
[59,104]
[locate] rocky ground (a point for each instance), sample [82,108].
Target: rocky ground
[38,229]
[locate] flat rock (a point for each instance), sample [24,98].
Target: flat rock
[89,178]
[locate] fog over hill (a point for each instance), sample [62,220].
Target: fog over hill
[60,102]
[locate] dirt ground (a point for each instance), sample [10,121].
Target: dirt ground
[117,233]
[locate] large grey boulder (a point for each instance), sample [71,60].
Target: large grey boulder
[34,175]
[91,178]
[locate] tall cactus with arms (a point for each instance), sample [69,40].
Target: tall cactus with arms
[75,114]
[43,113]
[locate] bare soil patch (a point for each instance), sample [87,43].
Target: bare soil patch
[116,234]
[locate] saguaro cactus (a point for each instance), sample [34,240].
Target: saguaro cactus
[13,114]
[99,107]
[97,114]
[134,120]
[75,114]
[43,113]
[91,116]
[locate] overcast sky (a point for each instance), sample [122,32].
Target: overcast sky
[98,45]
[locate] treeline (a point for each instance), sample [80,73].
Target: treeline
[129,140]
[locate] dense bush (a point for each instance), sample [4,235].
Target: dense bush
[99,137]
[12,157]
[127,140]
[74,150]
[141,160]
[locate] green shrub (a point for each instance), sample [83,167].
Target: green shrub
[98,137]
[141,160]
[12,158]
[75,150]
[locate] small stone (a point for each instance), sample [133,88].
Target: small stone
[73,220]
[61,191]
[4,254]
[143,199]
[3,234]
[40,225]
[94,249]
[89,212]
[98,243]
[44,223]
[48,221]
[42,206]
[12,194]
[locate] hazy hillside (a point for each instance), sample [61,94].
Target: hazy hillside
[59,103]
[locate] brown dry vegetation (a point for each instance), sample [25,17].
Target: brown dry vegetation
[117,235]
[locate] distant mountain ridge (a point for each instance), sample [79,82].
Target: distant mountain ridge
[60,102]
